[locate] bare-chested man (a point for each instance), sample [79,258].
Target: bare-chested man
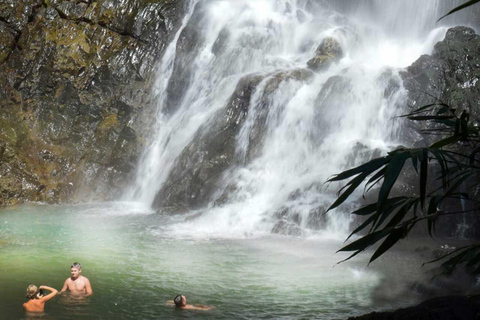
[77,284]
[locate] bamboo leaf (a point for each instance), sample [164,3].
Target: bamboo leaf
[377,177]
[444,142]
[423,109]
[402,212]
[366,241]
[350,257]
[425,118]
[371,166]
[415,161]
[362,226]
[353,185]
[441,161]
[430,223]
[423,176]
[393,170]
[460,7]
[392,238]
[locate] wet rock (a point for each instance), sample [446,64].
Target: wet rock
[287,228]
[199,168]
[18,13]
[220,45]
[328,52]
[450,75]
[441,308]
[7,41]
[188,44]
[76,79]
[257,132]
[330,98]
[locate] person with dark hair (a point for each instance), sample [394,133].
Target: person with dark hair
[77,284]
[36,298]
[180,301]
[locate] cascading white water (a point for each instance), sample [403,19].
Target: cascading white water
[313,129]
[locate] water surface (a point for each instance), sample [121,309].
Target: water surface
[137,260]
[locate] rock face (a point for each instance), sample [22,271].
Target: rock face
[198,171]
[75,78]
[450,75]
[328,52]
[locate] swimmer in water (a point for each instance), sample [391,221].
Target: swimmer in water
[36,299]
[77,284]
[180,301]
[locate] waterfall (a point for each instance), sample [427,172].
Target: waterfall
[245,63]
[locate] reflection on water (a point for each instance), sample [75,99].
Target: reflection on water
[74,303]
[136,263]
[34,315]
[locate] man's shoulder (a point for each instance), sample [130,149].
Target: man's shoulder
[84,278]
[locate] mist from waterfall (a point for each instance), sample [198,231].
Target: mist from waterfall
[314,128]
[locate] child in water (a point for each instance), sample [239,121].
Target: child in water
[36,300]
[77,284]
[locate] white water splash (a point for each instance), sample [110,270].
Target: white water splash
[310,134]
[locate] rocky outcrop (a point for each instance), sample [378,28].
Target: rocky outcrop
[198,171]
[328,52]
[200,165]
[75,79]
[442,308]
[450,75]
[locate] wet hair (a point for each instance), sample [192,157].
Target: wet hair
[32,291]
[76,265]
[178,300]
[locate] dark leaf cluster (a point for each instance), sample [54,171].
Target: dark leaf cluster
[454,160]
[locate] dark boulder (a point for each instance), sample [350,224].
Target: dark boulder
[442,308]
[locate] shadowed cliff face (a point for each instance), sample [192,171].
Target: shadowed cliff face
[450,75]
[75,81]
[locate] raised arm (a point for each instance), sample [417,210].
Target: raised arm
[88,287]
[49,296]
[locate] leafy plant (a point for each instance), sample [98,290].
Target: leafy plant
[455,158]
[460,7]
[456,161]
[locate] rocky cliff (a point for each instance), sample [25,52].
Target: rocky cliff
[75,91]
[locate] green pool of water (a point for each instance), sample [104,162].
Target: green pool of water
[136,263]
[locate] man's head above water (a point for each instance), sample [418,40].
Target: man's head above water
[75,270]
[180,301]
